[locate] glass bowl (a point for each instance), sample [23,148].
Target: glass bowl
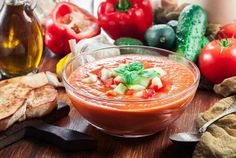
[111,116]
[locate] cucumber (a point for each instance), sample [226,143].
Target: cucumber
[205,41]
[118,79]
[136,87]
[157,82]
[191,28]
[156,70]
[139,93]
[143,81]
[120,89]
[105,74]
[91,79]
[128,42]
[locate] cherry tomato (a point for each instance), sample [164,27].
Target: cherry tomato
[228,30]
[217,60]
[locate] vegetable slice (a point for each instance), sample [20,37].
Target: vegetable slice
[91,79]
[157,82]
[139,94]
[120,89]
[118,79]
[143,81]
[105,74]
[137,87]
[156,71]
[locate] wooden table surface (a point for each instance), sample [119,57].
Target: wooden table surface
[155,146]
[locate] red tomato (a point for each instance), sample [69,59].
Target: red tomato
[165,87]
[155,88]
[217,60]
[98,71]
[228,30]
[148,93]
[130,92]
[111,93]
[109,82]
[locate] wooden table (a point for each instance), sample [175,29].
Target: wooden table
[155,146]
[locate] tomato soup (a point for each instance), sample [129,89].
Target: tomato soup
[142,104]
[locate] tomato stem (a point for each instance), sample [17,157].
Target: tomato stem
[225,43]
[123,5]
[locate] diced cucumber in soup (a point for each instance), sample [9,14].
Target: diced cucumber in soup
[157,82]
[138,94]
[91,79]
[120,89]
[143,81]
[136,87]
[105,74]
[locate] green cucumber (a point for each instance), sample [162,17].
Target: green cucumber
[105,74]
[205,41]
[120,89]
[143,81]
[191,28]
[136,87]
[157,82]
[128,42]
[156,72]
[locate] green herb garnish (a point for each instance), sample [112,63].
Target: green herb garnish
[136,66]
[130,73]
[134,71]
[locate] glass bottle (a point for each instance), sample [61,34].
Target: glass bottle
[21,41]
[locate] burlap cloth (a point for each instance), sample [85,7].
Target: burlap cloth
[220,139]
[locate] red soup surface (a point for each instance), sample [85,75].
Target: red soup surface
[129,115]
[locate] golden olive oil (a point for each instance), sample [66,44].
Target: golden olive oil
[21,42]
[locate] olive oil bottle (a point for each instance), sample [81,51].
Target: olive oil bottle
[21,42]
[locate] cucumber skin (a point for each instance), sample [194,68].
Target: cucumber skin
[123,41]
[190,31]
[205,41]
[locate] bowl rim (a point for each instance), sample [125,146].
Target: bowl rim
[192,64]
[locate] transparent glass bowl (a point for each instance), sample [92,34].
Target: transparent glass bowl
[100,112]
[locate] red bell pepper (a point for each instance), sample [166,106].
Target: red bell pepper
[125,18]
[68,21]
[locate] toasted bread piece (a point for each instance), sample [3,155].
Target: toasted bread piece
[25,97]
[31,80]
[41,101]
[24,102]
[12,97]
[19,114]
[35,80]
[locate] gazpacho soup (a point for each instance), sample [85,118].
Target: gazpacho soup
[132,95]
[132,77]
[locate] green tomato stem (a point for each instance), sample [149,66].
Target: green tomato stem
[225,43]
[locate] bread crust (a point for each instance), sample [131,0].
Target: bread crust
[25,97]
[41,101]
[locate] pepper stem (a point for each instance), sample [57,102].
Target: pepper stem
[123,5]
